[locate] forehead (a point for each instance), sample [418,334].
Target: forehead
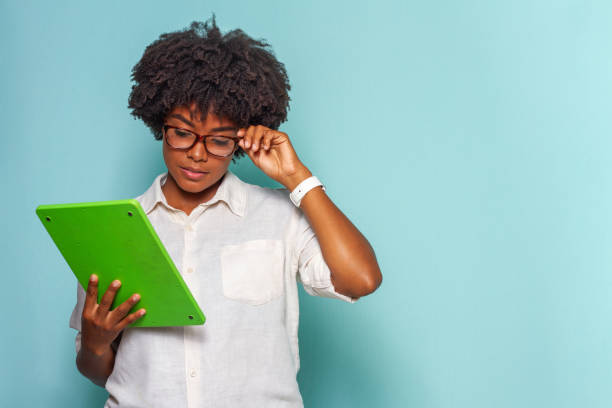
[197,119]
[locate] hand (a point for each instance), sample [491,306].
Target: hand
[272,152]
[99,325]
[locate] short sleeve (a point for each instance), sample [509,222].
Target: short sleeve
[313,272]
[75,317]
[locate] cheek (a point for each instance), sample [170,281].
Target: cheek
[165,152]
[170,157]
[222,166]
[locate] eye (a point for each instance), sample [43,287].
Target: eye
[182,133]
[220,140]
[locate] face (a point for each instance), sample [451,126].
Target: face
[195,170]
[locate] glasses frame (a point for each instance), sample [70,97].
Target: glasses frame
[199,138]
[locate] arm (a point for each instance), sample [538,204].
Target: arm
[351,260]
[96,365]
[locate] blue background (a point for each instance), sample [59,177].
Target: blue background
[468,140]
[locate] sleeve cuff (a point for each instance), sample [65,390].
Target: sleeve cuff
[328,292]
[75,317]
[316,279]
[77,342]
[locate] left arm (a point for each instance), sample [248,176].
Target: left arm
[351,260]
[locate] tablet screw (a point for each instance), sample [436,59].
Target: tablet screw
[130,213]
[190,317]
[48,219]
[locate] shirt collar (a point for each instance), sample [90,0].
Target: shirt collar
[231,191]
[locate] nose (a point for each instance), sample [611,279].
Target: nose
[198,152]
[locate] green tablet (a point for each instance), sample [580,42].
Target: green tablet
[115,240]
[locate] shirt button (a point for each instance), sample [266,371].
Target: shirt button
[189,228]
[193,373]
[189,270]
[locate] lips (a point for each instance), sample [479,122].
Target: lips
[194,170]
[193,174]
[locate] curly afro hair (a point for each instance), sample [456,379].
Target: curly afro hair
[231,75]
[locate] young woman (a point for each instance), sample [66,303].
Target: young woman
[239,247]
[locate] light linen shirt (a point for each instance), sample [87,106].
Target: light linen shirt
[241,255]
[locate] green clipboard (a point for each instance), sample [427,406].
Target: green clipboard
[115,240]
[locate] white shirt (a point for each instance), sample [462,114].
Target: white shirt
[241,255]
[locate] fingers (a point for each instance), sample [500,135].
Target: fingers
[249,137]
[256,138]
[109,296]
[98,321]
[130,319]
[123,309]
[91,298]
[253,136]
[266,141]
[260,131]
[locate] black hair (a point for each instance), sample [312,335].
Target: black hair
[231,75]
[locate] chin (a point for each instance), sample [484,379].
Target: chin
[191,186]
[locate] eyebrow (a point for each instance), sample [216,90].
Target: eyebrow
[182,118]
[217,129]
[222,128]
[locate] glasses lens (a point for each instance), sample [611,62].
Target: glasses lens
[179,139]
[220,145]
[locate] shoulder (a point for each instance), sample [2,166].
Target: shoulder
[270,200]
[268,196]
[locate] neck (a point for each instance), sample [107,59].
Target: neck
[185,200]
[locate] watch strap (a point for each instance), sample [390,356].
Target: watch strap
[305,186]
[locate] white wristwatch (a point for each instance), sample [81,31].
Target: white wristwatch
[305,186]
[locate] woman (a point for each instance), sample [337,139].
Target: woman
[240,248]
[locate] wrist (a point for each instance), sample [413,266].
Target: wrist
[96,350]
[96,365]
[291,181]
[303,188]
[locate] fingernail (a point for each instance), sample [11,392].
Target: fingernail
[247,144]
[142,312]
[92,278]
[136,298]
[116,283]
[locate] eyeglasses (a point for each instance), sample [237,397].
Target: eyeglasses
[220,145]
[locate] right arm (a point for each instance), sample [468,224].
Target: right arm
[100,326]
[96,367]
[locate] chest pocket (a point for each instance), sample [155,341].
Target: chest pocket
[252,272]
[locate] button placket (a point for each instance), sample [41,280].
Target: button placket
[192,366]
[192,354]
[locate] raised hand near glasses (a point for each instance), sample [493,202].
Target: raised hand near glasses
[272,152]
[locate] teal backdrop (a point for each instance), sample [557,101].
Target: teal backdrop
[469,141]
